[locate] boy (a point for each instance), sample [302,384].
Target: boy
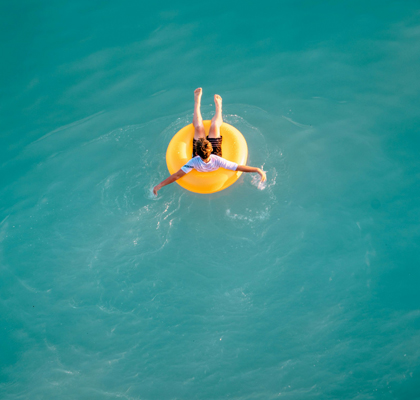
[208,151]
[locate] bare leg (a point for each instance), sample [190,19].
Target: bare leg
[199,131]
[217,120]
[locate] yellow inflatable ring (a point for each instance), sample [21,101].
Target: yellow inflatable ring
[234,148]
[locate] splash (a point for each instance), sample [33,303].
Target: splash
[256,181]
[150,195]
[252,217]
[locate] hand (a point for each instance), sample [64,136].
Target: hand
[155,190]
[262,174]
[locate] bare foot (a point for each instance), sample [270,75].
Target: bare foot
[197,94]
[218,102]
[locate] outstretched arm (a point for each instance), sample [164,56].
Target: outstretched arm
[245,168]
[169,180]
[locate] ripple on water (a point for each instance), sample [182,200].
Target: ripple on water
[92,235]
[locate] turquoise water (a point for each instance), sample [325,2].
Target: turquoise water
[306,289]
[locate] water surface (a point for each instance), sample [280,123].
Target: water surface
[306,289]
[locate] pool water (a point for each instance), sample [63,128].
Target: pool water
[305,287]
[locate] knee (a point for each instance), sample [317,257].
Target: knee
[216,123]
[199,128]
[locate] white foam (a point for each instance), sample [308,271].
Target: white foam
[256,181]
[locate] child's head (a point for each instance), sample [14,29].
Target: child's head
[203,148]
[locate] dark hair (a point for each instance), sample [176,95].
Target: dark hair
[203,148]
